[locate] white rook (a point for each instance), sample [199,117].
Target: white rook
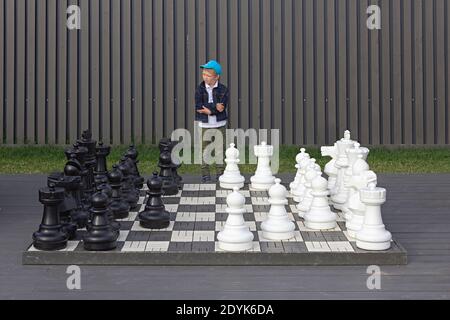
[373,235]
[263,178]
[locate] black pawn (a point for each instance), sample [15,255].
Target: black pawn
[100,236]
[165,142]
[154,216]
[50,235]
[169,185]
[107,190]
[118,206]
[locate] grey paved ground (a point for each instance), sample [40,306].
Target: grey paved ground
[417,213]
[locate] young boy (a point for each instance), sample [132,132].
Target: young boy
[211,102]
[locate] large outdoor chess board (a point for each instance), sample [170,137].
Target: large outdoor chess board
[197,215]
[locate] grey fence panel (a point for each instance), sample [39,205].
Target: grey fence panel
[2,68]
[310,68]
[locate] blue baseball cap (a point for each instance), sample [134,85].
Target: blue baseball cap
[212,64]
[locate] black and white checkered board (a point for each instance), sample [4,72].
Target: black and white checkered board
[197,215]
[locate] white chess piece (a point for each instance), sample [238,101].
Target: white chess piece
[330,168]
[320,216]
[305,204]
[361,178]
[298,159]
[278,226]
[236,235]
[263,178]
[299,190]
[231,176]
[340,192]
[373,235]
[353,155]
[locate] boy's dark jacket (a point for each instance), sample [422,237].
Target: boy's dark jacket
[220,95]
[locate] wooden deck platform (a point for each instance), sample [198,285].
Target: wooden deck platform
[417,213]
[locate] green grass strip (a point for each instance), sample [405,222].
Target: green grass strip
[46,159]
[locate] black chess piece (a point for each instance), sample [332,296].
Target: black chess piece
[169,186]
[90,158]
[118,206]
[165,142]
[133,175]
[100,235]
[101,168]
[60,180]
[66,206]
[129,192]
[154,216]
[50,235]
[103,184]
[132,154]
[107,190]
[72,172]
[176,165]
[80,153]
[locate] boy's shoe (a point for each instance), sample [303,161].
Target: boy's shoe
[206,179]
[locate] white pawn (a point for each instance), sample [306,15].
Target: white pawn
[298,159]
[263,178]
[236,235]
[320,216]
[278,226]
[361,178]
[373,235]
[306,200]
[330,168]
[231,176]
[353,155]
[299,190]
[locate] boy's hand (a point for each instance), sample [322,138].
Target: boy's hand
[204,110]
[220,107]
